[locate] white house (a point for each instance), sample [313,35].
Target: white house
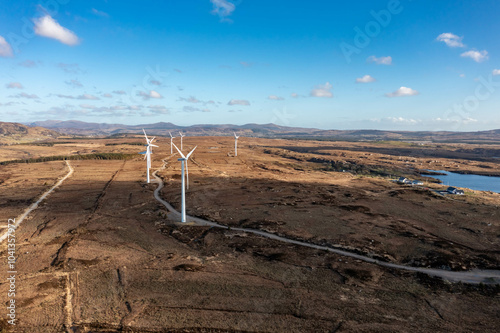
[453,190]
[403,180]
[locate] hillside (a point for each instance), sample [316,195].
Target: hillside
[18,133]
[268,131]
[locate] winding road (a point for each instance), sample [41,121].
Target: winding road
[34,206]
[472,277]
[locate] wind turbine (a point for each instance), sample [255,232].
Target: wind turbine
[171,142]
[235,144]
[182,135]
[148,153]
[184,160]
[145,135]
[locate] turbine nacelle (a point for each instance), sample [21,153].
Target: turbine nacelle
[183,156]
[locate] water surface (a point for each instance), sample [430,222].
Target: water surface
[474,182]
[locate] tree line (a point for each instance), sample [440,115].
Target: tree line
[96,156]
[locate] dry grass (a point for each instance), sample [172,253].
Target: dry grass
[128,268]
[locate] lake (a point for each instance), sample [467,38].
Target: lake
[474,182]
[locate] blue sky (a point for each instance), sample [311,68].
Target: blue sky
[398,65]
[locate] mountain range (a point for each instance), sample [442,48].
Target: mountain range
[74,127]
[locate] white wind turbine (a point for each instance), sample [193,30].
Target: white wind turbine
[182,135]
[171,142]
[148,152]
[235,144]
[184,160]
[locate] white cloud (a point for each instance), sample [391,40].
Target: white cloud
[191,99]
[119,92]
[68,111]
[246,64]
[107,95]
[27,63]
[223,8]
[238,102]
[69,68]
[155,94]
[99,13]
[9,103]
[467,120]
[14,85]
[63,112]
[46,26]
[450,39]
[158,109]
[381,60]
[74,83]
[151,94]
[477,56]
[275,98]
[496,72]
[25,95]
[155,82]
[87,106]
[294,95]
[402,120]
[403,91]
[87,96]
[5,48]
[322,90]
[462,75]
[83,97]
[193,109]
[365,79]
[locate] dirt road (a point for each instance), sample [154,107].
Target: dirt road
[34,206]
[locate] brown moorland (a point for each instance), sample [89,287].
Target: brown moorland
[101,255]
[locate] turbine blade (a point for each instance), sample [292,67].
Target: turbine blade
[153,146]
[190,152]
[145,134]
[170,134]
[179,150]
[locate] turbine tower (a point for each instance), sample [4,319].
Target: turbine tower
[182,135]
[147,153]
[235,144]
[184,160]
[171,142]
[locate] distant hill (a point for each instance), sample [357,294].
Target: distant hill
[15,133]
[74,127]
